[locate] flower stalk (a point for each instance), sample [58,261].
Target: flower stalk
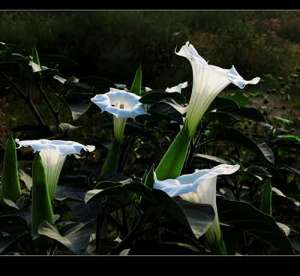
[41,201]
[119,128]
[11,188]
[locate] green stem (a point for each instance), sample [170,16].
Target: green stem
[171,165]
[119,127]
[214,237]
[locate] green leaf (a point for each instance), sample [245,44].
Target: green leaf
[211,158]
[10,203]
[258,171]
[150,178]
[49,230]
[75,239]
[26,179]
[236,137]
[167,111]
[122,190]
[78,102]
[200,216]
[283,120]
[41,203]
[171,165]
[249,219]
[35,56]
[12,228]
[266,198]
[224,104]
[173,210]
[111,162]
[239,98]
[136,86]
[7,241]
[289,138]
[11,188]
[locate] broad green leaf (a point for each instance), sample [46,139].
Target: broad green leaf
[167,111]
[249,219]
[41,203]
[239,98]
[111,162]
[11,188]
[289,138]
[122,189]
[77,102]
[258,171]
[266,198]
[211,158]
[236,137]
[136,86]
[10,203]
[169,207]
[35,56]
[200,216]
[171,164]
[26,179]
[50,231]
[224,104]
[75,239]
[150,178]
[12,228]
[7,241]
[283,120]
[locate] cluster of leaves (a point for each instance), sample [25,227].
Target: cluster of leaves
[122,213]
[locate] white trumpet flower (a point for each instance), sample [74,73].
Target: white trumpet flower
[199,187]
[208,82]
[122,105]
[53,154]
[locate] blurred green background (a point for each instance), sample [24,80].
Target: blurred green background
[113,44]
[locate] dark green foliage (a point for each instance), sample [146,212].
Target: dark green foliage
[116,210]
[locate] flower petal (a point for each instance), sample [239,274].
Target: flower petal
[188,51]
[173,187]
[236,78]
[177,88]
[112,101]
[61,146]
